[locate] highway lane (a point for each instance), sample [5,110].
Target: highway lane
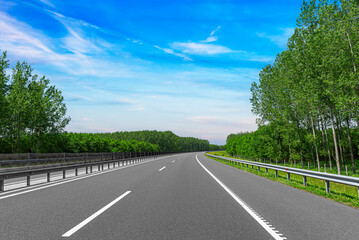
[48,213]
[296,213]
[180,202]
[175,198]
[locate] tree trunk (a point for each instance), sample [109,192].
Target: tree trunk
[335,143]
[340,143]
[300,140]
[353,56]
[350,146]
[326,137]
[313,157]
[315,142]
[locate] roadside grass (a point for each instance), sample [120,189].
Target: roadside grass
[345,194]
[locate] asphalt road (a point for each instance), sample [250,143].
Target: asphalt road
[185,196]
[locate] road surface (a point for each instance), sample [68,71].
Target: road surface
[184,196]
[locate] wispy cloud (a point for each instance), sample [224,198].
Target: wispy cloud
[48,3]
[170,51]
[75,53]
[215,30]
[200,48]
[210,39]
[281,39]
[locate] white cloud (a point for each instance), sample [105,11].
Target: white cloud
[265,59]
[138,107]
[280,40]
[204,119]
[215,30]
[170,51]
[210,39]
[48,3]
[200,48]
[75,53]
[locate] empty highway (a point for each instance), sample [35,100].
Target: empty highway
[184,196]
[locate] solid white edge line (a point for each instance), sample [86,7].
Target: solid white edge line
[244,205]
[93,216]
[39,187]
[162,168]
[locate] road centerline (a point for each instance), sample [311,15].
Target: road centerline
[93,216]
[265,224]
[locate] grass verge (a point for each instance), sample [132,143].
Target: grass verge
[345,194]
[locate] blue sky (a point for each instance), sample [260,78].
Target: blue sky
[184,66]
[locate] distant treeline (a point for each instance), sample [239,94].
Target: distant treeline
[167,141]
[139,141]
[307,101]
[79,142]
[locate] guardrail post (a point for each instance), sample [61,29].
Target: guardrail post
[305,180]
[288,176]
[259,169]
[108,167]
[1,185]
[28,180]
[114,164]
[266,170]
[91,169]
[64,174]
[76,172]
[327,186]
[99,167]
[252,166]
[28,160]
[48,177]
[276,173]
[87,170]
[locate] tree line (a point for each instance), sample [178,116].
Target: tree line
[33,118]
[307,101]
[167,140]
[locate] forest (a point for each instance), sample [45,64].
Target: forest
[307,100]
[33,119]
[167,141]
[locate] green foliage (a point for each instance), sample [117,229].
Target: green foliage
[29,108]
[167,141]
[307,100]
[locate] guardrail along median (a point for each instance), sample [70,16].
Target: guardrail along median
[70,161]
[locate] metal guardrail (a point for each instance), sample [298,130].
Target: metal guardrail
[31,160]
[327,177]
[9,173]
